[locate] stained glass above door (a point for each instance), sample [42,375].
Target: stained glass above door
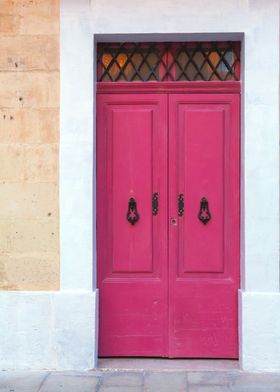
[180,61]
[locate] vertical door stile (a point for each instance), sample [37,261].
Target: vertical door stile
[172,216]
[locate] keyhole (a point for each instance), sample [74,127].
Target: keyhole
[174,221]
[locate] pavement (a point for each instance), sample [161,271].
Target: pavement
[145,378]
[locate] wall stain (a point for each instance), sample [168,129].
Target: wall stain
[5,284]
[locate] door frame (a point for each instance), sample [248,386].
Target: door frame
[177,88]
[184,88]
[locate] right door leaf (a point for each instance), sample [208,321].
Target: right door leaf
[204,247]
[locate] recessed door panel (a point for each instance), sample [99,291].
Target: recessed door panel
[202,134]
[132,136]
[132,253]
[204,244]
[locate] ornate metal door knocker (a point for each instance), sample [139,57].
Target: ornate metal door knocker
[204,214]
[132,214]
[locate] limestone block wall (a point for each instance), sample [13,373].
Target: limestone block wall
[29,137]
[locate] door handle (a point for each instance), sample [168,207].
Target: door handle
[155,203]
[181,204]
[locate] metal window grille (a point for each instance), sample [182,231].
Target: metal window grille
[192,61]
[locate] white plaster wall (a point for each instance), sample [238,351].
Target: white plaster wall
[259,327]
[42,330]
[76,148]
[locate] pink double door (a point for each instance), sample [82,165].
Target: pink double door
[168,224]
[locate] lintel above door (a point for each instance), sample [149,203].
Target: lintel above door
[232,87]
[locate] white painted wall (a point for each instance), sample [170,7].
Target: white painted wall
[41,330]
[256,22]
[76,148]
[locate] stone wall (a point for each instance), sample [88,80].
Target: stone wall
[29,137]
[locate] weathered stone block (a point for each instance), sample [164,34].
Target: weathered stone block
[210,388]
[9,24]
[5,235]
[122,379]
[29,125]
[63,383]
[166,382]
[121,388]
[29,53]
[41,163]
[16,381]
[48,8]
[38,24]
[212,378]
[28,200]
[49,125]
[34,235]
[11,162]
[29,271]
[27,89]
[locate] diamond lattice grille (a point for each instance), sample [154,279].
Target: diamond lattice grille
[130,62]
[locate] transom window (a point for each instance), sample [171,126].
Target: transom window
[180,61]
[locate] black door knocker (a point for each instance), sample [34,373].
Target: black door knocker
[132,214]
[204,214]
